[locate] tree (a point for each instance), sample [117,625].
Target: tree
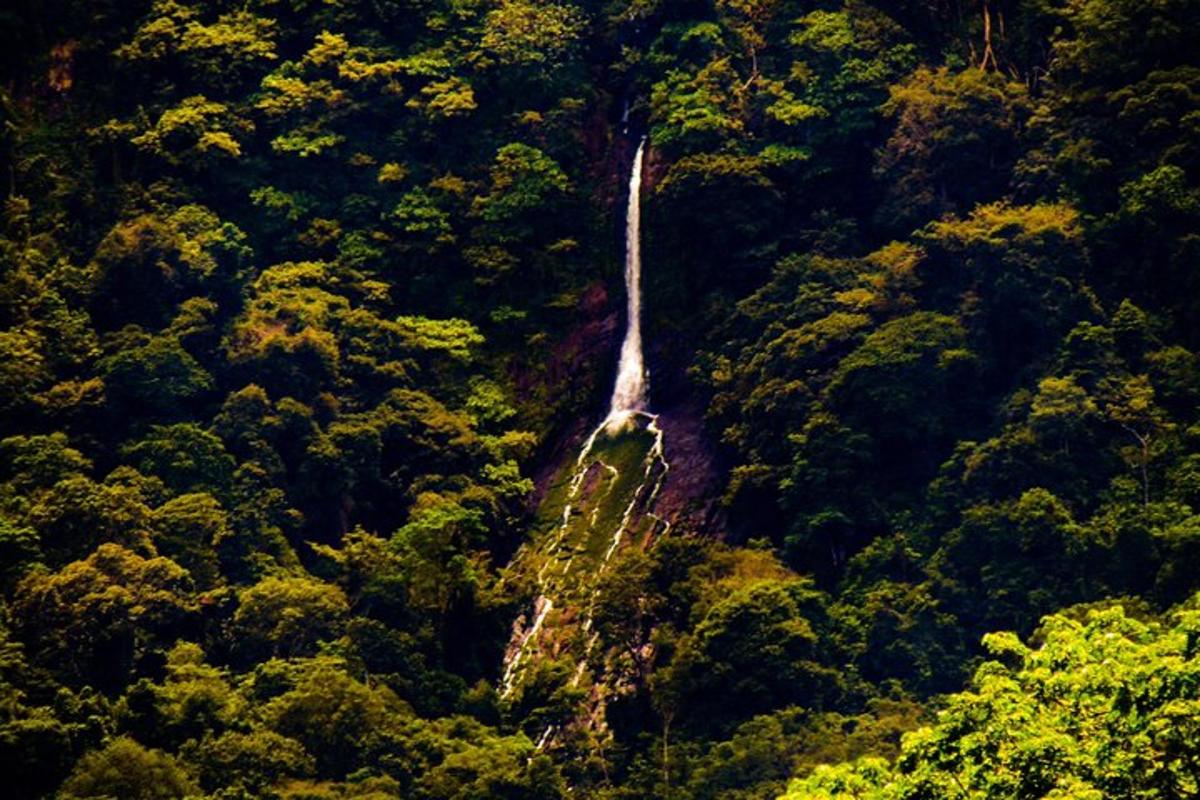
[287,616]
[22,368]
[755,650]
[342,722]
[165,258]
[253,761]
[954,144]
[96,620]
[1020,559]
[899,384]
[624,604]
[201,49]
[124,768]
[151,375]
[493,767]
[37,747]
[77,514]
[898,630]
[1130,404]
[19,552]
[195,700]
[198,133]
[523,180]
[189,529]
[731,253]
[694,111]
[535,43]
[39,462]
[185,457]
[991,264]
[1060,410]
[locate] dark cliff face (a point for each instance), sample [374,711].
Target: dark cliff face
[691,494]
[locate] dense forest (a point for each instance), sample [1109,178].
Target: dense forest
[308,307]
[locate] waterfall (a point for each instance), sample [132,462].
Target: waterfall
[597,516]
[629,393]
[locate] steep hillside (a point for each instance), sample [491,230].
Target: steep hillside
[546,398]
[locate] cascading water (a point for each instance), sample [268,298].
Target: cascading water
[610,495]
[629,392]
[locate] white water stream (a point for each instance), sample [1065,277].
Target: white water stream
[629,392]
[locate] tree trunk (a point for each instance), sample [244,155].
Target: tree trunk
[989,56]
[666,768]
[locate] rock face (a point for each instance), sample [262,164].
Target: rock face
[690,495]
[577,365]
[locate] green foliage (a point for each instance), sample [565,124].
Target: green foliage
[1100,707]
[189,529]
[125,768]
[287,616]
[252,762]
[523,180]
[184,457]
[493,767]
[923,351]
[335,717]
[755,649]
[76,514]
[954,143]
[215,52]
[194,132]
[301,304]
[524,34]
[98,618]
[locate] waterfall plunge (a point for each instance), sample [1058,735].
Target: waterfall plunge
[629,393]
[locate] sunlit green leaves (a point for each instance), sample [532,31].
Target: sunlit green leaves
[523,180]
[526,34]
[1101,708]
[195,132]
